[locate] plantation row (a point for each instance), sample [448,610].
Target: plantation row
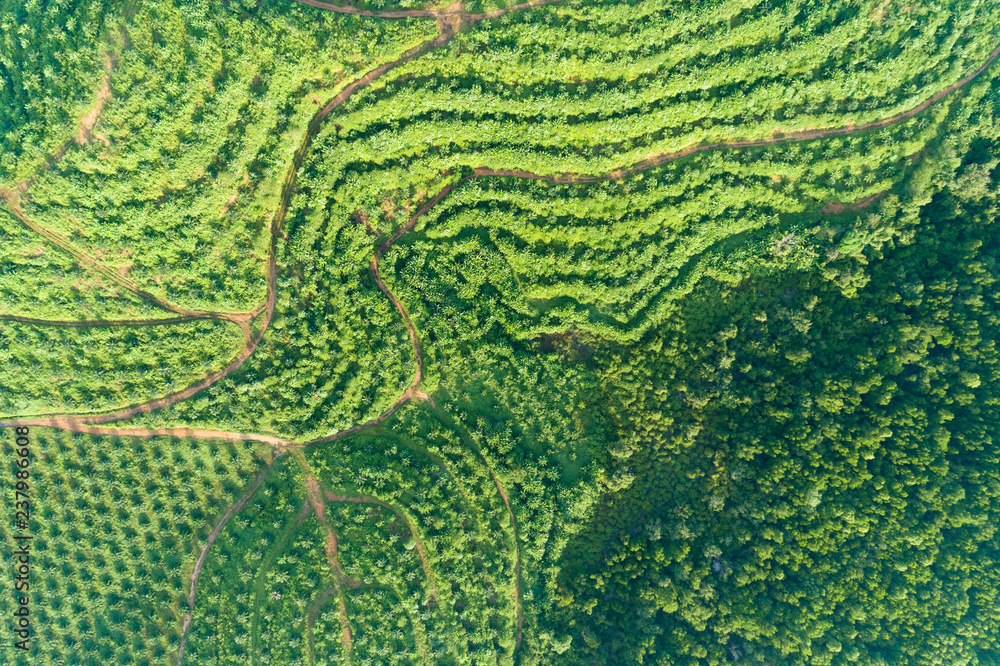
[116,526]
[531,258]
[734,407]
[514,94]
[37,279]
[611,258]
[43,371]
[327,303]
[194,125]
[187,140]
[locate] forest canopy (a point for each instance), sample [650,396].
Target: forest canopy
[565,332]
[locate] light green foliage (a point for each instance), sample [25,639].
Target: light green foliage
[39,280]
[601,86]
[231,613]
[739,406]
[117,524]
[204,106]
[42,372]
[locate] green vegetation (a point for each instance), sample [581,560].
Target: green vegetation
[335,354]
[198,109]
[822,485]
[46,282]
[597,333]
[365,172]
[443,513]
[599,87]
[117,524]
[227,622]
[43,371]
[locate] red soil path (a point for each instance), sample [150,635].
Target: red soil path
[230,512]
[421,553]
[454,10]
[341,579]
[448,29]
[77,423]
[97,323]
[86,126]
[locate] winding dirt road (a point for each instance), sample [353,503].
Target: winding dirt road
[450,21]
[230,512]
[97,323]
[454,10]
[374,501]
[76,423]
[80,423]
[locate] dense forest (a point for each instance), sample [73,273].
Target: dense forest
[584,332]
[813,475]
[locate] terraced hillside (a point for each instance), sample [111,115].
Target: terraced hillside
[579,332]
